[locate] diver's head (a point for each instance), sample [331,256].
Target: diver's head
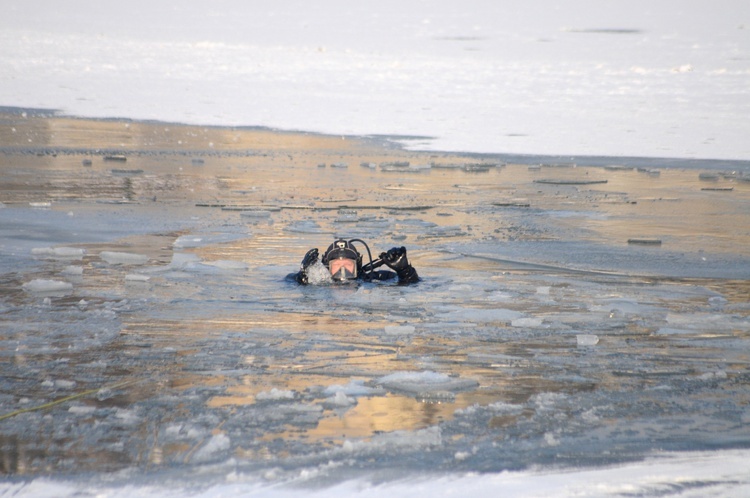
[342,260]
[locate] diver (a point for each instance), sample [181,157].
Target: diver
[343,263]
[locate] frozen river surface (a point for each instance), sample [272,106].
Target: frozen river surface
[568,317]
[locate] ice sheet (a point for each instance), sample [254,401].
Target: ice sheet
[631,79]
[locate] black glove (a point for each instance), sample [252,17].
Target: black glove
[310,259]
[395,258]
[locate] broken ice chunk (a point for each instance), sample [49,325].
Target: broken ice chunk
[399,329]
[59,252]
[587,339]
[136,277]
[353,388]
[526,322]
[274,395]
[44,286]
[425,382]
[72,270]
[339,400]
[213,449]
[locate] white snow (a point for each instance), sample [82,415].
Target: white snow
[580,77]
[689,474]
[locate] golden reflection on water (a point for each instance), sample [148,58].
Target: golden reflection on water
[315,344]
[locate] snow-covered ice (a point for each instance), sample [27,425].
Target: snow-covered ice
[577,78]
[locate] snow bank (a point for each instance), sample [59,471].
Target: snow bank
[691,473]
[664,79]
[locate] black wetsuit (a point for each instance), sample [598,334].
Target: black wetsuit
[395,258]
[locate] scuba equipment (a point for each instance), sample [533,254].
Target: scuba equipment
[342,262]
[345,262]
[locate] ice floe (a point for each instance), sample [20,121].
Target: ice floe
[419,383]
[46,286]
[72,253]
[123,258]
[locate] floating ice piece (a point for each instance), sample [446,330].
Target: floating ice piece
[137,277]
[526,322]
[347,216]
[587,339]
[81,410]
[556,181]
[318,274]
[255,213]
[499,296]
[226,264]
[44,286]
[128,417]
[274,395]
[201,240]
[425,382]
[483,315]
[123,258]
[353,388]
[550,439]
[181,260]
[497,360]
[305,226]
[59,252]
[339,400]
[409,440]
[72,270]
[718,375]
[40,205]
[399,329]
[503,407]
[431,436]
[213,449]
